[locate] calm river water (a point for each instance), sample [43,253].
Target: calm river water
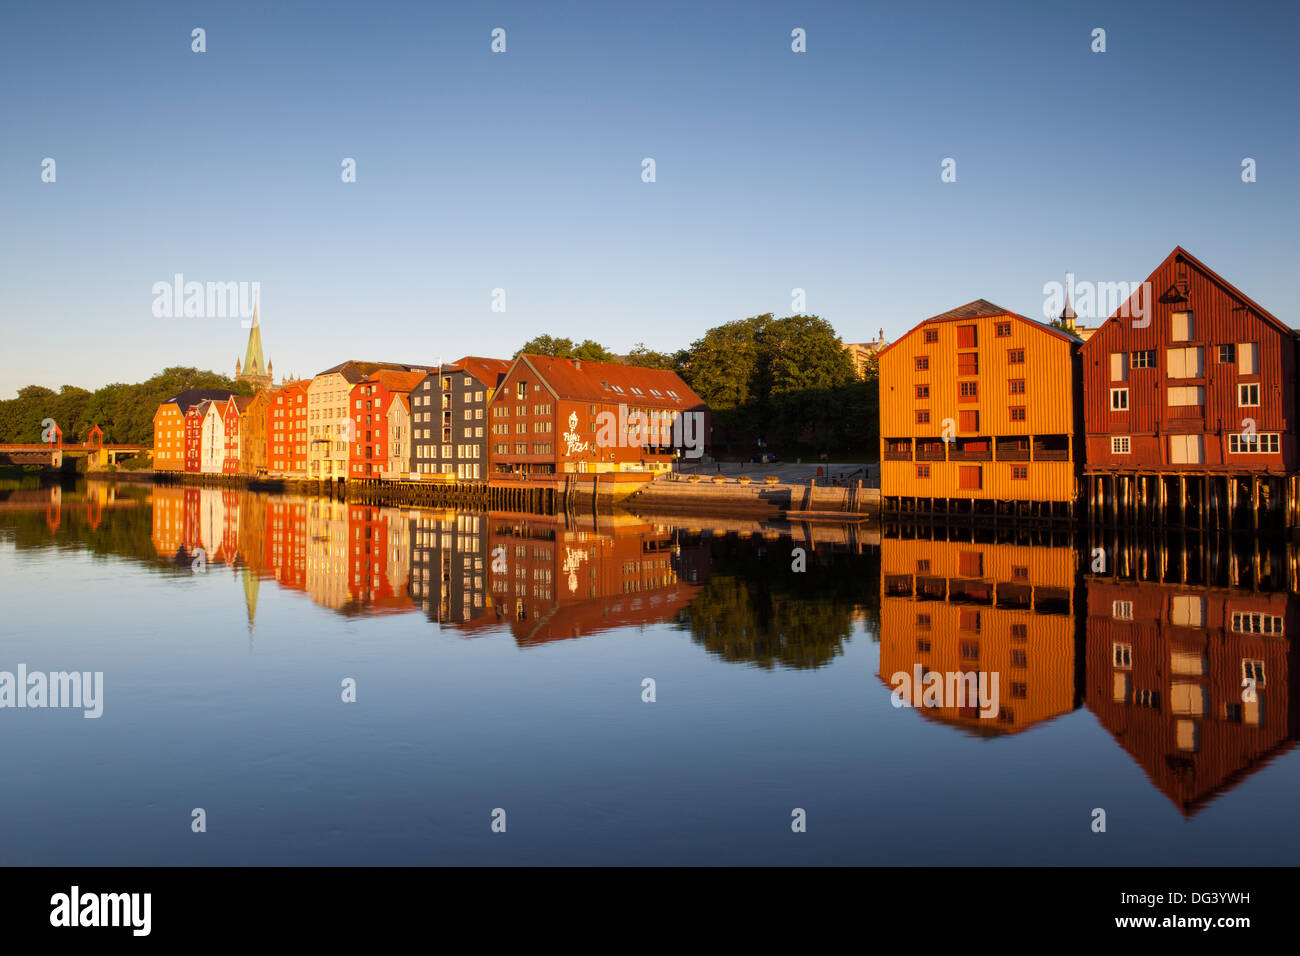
[501,663]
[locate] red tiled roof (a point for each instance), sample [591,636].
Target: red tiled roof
[395,381]
[489,371]
[595,381]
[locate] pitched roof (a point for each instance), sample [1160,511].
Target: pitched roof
[192,396]
[395,381]
[602,381]
[355,371]
[980,309]
[1228,287]
[242,401]
[489,371]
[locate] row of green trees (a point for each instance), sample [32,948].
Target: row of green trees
[785,384]
[124,412]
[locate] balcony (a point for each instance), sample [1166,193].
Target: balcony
[1051,448]
[898,449]
[1012,448]
[928,450]
[971,449]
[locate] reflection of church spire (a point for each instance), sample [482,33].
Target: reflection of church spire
[251,584]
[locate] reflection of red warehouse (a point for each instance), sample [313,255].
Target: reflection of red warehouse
[551,582]
[1170,673]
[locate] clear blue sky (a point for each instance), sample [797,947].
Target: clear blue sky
[522,170]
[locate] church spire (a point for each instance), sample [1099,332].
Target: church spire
[255,369]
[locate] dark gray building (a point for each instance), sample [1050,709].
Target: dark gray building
[449,420]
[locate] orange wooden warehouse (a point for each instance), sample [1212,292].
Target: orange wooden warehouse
[979,413]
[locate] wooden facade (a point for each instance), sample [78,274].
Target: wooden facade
[557,415]
[169,427]
[1190,406]
[252,434]
[977,409]
[368,405]
[286,429]
[449,419]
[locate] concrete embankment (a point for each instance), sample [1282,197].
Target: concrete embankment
[795,501]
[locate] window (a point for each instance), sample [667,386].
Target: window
[1119,444]
[1016,386]
[1015,356]
[1186,449]
[1248,358]
[1184,363]
[923,471]
[923,391]
[968,389]
[970,477]
[1253,671]
[1182,327]
[1144,359]
[1187,395]
[1187,610]
[923,416]
[1227,353]
[1119,399]
[1248,393]
[1266,443]
[1002,330]
[1257,624]
[923,363]
[931,336]
[1019,472]
[1118,367]
[1122,654]
[968,420]
[521,390]
[1017,413]
[966,337]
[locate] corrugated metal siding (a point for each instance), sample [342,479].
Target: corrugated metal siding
[1218,318]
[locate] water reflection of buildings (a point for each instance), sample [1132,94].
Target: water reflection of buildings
[552,578]
[985,607]
[1174,631]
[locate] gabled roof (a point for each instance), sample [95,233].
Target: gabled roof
[597,381]
[1222,283]
[192,396]
[394,381]
[981,309]
[971,310]
[404,398]
[355,371]
[241,401]
[489,371]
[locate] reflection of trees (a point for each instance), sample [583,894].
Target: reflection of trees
[755,609]
[129,533]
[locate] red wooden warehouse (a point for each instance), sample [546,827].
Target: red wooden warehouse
[1190,405]
[368,404]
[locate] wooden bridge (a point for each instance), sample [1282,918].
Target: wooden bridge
[51,454]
